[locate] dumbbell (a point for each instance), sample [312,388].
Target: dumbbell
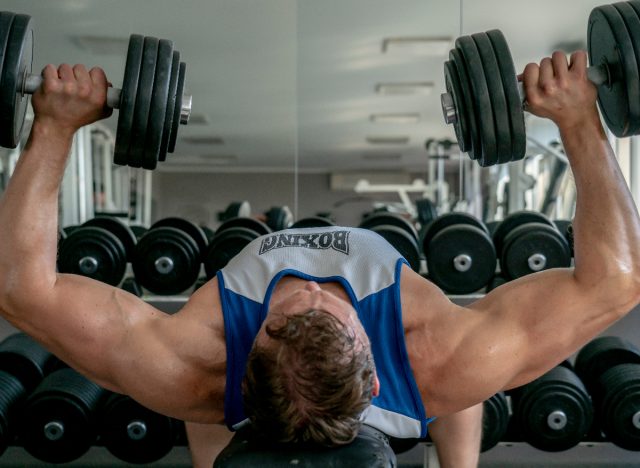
[398,231]
[167,258]
[138,230]
[483,101]
[279,218]
[236,209]
[231,237]
[610,368]
[98,249]
[312,221]
[425,211]
[527,242]
[565,227]
[151,101]
[459,253]
[134,433]
[23,364]
[554,412]
[495,419]
[60,418]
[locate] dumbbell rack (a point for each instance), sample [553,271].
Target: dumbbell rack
[501,455]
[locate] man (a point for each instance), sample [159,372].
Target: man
[450,357]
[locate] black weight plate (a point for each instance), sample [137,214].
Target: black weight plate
[171,104]
[565,227]
[601,354]
[175,123]
[225,245]
[460,126]
[17,61]
[69,399]
[632,21]
[444,264]
[620,411]
[402,241]
[95,253]
[25,359]
[481,99]
[118,228]
[134,433]
[158,107]
[312,221]
[138,230]
[496,282]
[143,102]
[510,86]
[533,239]
[607,38]
[193,230]
[514,220]
[128,100]
[469,108]
[11,398]
[389,219]
[497,96]
[279,218]
[495,418]
[537,405]
[166,261]
[446,220]
[208,232]
[6,20]
[248,223]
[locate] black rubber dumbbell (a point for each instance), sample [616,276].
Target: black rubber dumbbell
[167,258]
[134,433]
[99,249]
[460,255]
[527,242]
[398,231]
[425,211]
[60,418]
[23,364]
[231,237]
[495,420]
[610,367]
[554,412]
[279,218]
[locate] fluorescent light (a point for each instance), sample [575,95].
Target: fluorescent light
[399,118]
[388,140]
[435,46]
[405,88]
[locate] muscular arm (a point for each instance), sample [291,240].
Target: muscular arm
[522,329]
[457,438]
[111,336]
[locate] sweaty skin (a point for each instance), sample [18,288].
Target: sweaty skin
[460,356]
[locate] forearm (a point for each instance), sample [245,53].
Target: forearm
[29,214]
[606,225]
[457,438]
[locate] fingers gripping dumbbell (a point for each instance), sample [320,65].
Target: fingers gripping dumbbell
[151,101]
[485,105]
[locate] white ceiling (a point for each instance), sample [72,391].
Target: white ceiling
[278,79]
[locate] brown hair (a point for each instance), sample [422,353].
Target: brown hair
[312,384]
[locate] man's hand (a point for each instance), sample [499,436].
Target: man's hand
[561,91]
[70,98]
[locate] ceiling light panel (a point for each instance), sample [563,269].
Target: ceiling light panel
[397,118]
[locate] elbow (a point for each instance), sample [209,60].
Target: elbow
[18,296]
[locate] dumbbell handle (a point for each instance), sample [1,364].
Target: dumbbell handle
[597,74]
[32,82]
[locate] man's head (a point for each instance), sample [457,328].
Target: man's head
[310,374]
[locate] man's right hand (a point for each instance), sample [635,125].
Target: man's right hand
[70,98]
